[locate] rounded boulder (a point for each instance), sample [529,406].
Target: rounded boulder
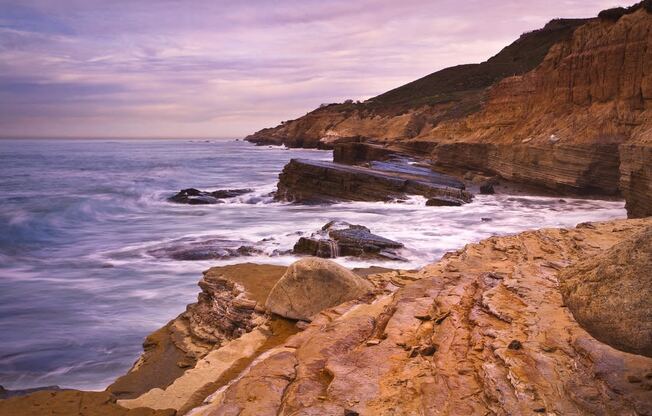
[610,294]
[311,285]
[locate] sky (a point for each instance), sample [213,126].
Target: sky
[224,69]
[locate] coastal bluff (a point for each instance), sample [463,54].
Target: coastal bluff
[567,107]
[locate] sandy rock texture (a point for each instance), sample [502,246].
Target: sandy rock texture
[311,285]
[610,295]
[483,331]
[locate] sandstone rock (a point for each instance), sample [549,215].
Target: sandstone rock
[500,121]
[357,152]
[636,178]
[610,295]
[309,181]
[311,285]
[194,196]
[72,402]
[501,343]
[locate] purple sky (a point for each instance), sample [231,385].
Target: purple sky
[162,68]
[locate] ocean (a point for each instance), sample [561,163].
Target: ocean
[81,222]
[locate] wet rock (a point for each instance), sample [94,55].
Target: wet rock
[311,285]
[194,196]
[487,188]
[610,295]
[444,202]
[310,181]
[339,238]
[188,249]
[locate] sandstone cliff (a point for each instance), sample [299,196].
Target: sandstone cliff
[572,111]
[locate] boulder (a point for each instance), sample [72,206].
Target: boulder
[610,295]
[311,285]
[339,238]
[194,196]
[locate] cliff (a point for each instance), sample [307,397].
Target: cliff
[566,107]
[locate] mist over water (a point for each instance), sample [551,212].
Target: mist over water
[80,288]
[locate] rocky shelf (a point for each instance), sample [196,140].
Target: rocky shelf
[310,181]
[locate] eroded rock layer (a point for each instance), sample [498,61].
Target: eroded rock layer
[576,119]
[483,331]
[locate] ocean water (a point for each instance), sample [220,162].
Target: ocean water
[80,220]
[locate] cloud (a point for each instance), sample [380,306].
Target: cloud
[227,68]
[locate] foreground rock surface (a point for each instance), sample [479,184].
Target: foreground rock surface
[72,403]
[611,295]
[311,285]
[311,181]
[484,331]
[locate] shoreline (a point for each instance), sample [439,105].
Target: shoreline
[594,237]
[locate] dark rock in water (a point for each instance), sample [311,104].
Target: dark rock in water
[444,202]
[216,248]
[343,239]
[487,188]
[194,196]
[311,181]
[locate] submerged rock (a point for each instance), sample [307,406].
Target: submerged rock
[443,202]
[339,238]
[311,285]
[211,249]
[194,196]
[610,295]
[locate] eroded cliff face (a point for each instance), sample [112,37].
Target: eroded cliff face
[580,121]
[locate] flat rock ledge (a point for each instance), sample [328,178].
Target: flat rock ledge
[311,181]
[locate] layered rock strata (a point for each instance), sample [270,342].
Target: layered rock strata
[309,181]
[575,118]
[484,331]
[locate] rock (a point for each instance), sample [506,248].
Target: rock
[610,295]
[194,196]
[534,115]
[5,394]
[311,285]
[352,153]
[72,402]
[487,188]
[338,238]
[444,202]
[563,370]
[636,178]
[189,249]
[515,345]
[310,181]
